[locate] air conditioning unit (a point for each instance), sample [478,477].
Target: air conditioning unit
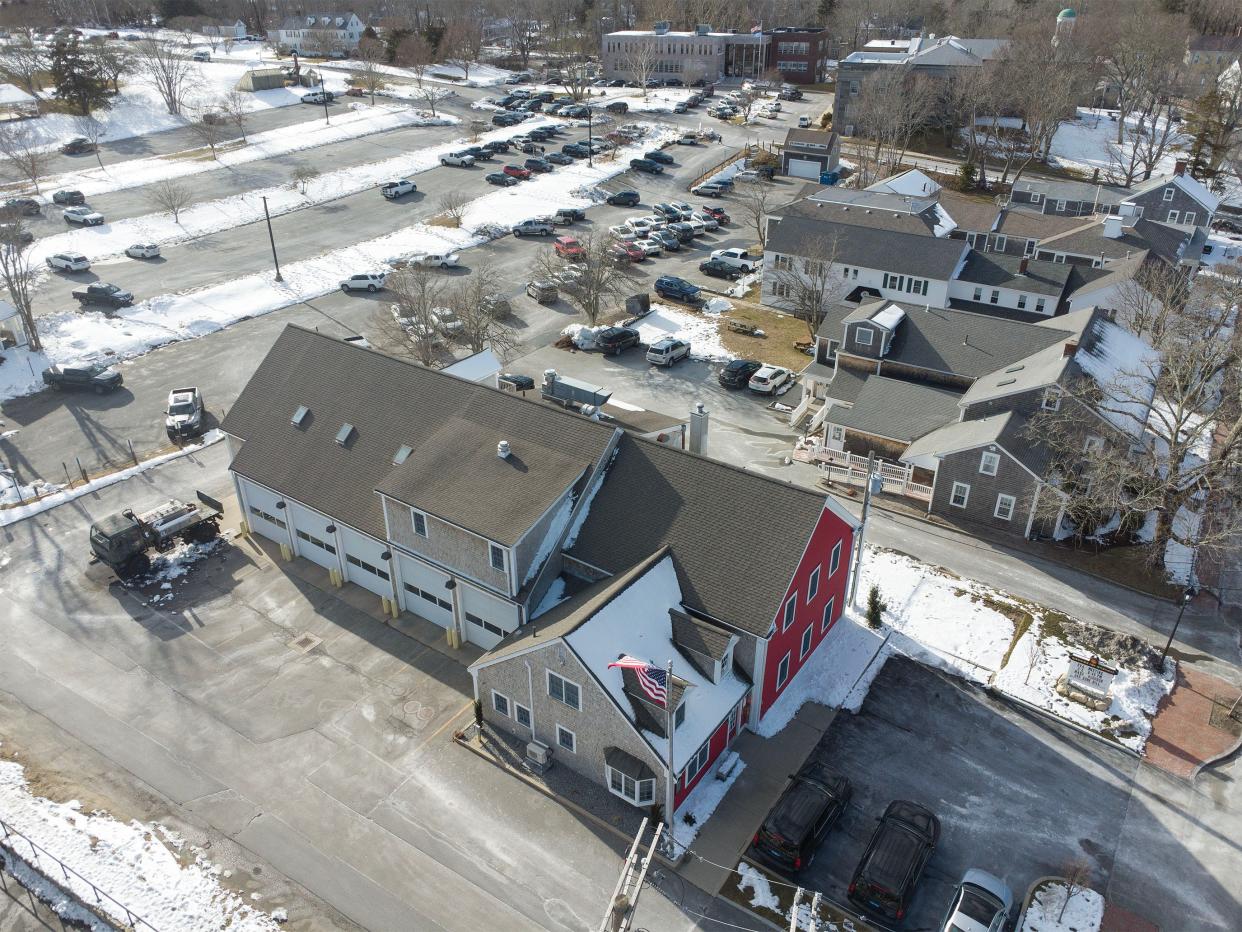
[538,753]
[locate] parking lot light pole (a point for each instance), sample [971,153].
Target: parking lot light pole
[590,138]
[1186,597]
[323,92]
[272,239]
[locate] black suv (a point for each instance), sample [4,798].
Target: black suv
[804,814]
[738,372]
[717,269]
[885,879]
[623,198]
[615,339]
[92,376]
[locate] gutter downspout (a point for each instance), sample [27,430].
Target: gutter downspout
[530,697]
[1030,521]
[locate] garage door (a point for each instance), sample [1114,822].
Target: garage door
[488,619]
[261,512]
[310,537]
[804,168]
[423,592]
[364,564]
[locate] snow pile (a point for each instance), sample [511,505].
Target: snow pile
[702,330]
[762,896]
[700,805]
[1084,912]
[174,565]
[717,306]
[1087,142]
[21,371]
[14,493]
[139,864]
[54,895]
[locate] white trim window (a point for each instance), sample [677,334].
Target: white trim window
[638,792]
[1168,193]
[1021,300]
[860,332]
[420,522]
[807,637]
[960,495]
[1004,507]
[812,586]
[566,739]
[1001,243]
[1174,216]
[782,671]
[1188,218]
[521,715]
[791,605]
[1052,398]
[834,561]
[978,295]
[1029,249]
[497,556]
[564,691]
[500,702]
[989,462]
[696,764]
[1039,305]
[829,610]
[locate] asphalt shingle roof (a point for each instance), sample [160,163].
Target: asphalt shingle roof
[905,253]
[976,214]
[1007,429]
[863,209]
[1001,270]
[898,410]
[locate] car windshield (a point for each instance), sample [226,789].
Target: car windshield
[978,905]
[96,368]
[178,410]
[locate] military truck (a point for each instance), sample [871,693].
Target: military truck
[121,541]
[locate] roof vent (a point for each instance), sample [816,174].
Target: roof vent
[402,454]
[1071,347]
[1018,368]
[502,449]
[1006,381]
[344,434]
[299,415]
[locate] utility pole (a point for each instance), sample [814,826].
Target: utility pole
[862,528]
[323,92]
[590,137]
[620,910]
[272,238]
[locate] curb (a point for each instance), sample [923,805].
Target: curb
[1030,707]
[1210,762]
[1030,892]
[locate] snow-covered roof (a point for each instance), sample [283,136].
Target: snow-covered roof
[1125,368]
[481,367]
[11,94]
[636,622]
[910,183]
[888,318]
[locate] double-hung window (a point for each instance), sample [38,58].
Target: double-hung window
[812,586]
[500,703]
[1004,507]
[834,561]
[782,671]
[566,739]
[562,690]
[829,612]
[807,636]
[697,763]
[790,605]
[960,495]
[988,463]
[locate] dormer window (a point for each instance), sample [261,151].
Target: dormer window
[864,336]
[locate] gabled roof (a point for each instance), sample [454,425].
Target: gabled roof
[897,410]
[1047,366]
[707,513]
[1088,239]
[906,253]
[1002,270]
[910,183]
[390,403]
[701,642]
[1190,185]
[818,140]
[866,209]
[976,214]
[1007,430]
[1023,222]
[1054,189]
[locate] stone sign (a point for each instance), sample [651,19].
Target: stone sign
[1090,675]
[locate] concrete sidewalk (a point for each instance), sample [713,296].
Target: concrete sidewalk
[769,762]
[1192,727]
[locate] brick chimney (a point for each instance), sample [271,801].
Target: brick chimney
[1022,266]
[1179,167]
[1070,348]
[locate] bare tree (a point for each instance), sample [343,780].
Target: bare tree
[23,61]
[92,130]
[113,60]
[234,107]
[18,275]
[304,175]
[162,64]
[1151,299]
[471,300]
[458,44]
[640,61]
[893,104]
[1140,47]
[25,155]
[417,293]
[172,196]
[370,77]
[477,129]
[209,127]
[808,286]
[415,53]
[755,199]
[524,24]
[1075,875]
[600,278]
[453,203]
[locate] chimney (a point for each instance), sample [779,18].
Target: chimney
[502,449]
[1112,227]
[1022,266]
[1095,176]
[1179,168]
[1070,348]
[698,429]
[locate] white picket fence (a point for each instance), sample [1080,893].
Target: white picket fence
[897,478]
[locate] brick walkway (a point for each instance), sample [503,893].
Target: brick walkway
[1183,737]
[1117,919]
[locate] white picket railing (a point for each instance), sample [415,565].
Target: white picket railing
[852,469]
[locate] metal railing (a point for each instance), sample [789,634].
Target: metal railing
[74,881]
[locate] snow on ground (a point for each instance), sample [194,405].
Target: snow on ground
[58,495]
[1085,142]
[762,896]
[700,805]
[359,120]
[1226,247]
[481,75]
[54,895]
[138,864]
[139,110]
[1083,913]
[702,330]
[173,565]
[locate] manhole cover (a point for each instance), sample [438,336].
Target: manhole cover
[306,643]
[1220,717]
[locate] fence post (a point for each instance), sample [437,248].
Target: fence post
[132,455]
[65,467]
[81,471]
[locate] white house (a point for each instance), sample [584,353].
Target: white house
[233,30]
[320,32]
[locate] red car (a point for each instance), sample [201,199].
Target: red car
[715,213]
[634,253]
[516,171]
[567,247]
[619,254]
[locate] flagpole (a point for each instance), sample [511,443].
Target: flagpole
[672,770]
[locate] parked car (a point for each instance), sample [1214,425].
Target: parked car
[516,171]
[318,97]
[497,306]
[15,233]
[738,258]
[566,215]
[480,154]
[622,233]
[683,231]
[698,226]
[714,268]
[537,165]
[367,281]
[184,416]
[143,251]
[568,247]
[542,291]
[738,372]
[716,213]
[625,198]
[500,179]
[395,189]
[678,289]
[462,159]
[26,206]
[659,155]
[890,869]
[505,119]
[804,122]
[982,902]
[77,146]
[708,189]
[68,262]
[535,226]
[558,158]
[103,293]
[767,380]
[641,225]
[576,150]
[706,219]
[681,106]
[649,245]
[632,251]
[201,55]
[614,340]
[667,351]
[808,808]
[682,208]
[667,240]
[436,260]
[69,198]
[88,376]
[687,139]
[83,216]
[647,166]
[617,106]
[497,145]
[447,321]
[790,94]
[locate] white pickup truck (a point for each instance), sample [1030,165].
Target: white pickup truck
[738,258]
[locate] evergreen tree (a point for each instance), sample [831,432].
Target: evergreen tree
[876,607]
[78,78]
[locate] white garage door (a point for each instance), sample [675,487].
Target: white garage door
[488,619]
[310,537]
[423,592]
[804,168]
[261,512]
[364,564]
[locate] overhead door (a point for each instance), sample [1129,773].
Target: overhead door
[262,514]
[311,538]
[804,168]
[423,591]
[364,563]
[488,619]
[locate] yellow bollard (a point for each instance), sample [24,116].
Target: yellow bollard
[285,553]
[335,577]
[243,528]
[384,605]
[396,610]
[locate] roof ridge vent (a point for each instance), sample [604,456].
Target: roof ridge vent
[345,434]
[503,450]
[299,415]
[402,454]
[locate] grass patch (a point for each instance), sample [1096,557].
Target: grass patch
[782,330]
[444,220]
[204,154]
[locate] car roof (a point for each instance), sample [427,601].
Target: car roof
[802,803]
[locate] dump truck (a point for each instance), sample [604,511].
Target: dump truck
[121,541]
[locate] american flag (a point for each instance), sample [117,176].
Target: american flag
[651,678]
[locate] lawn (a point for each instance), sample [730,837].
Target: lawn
[782,330]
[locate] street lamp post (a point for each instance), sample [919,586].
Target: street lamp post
[272,239]
[323,93]
[1187,595]
[590,137]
